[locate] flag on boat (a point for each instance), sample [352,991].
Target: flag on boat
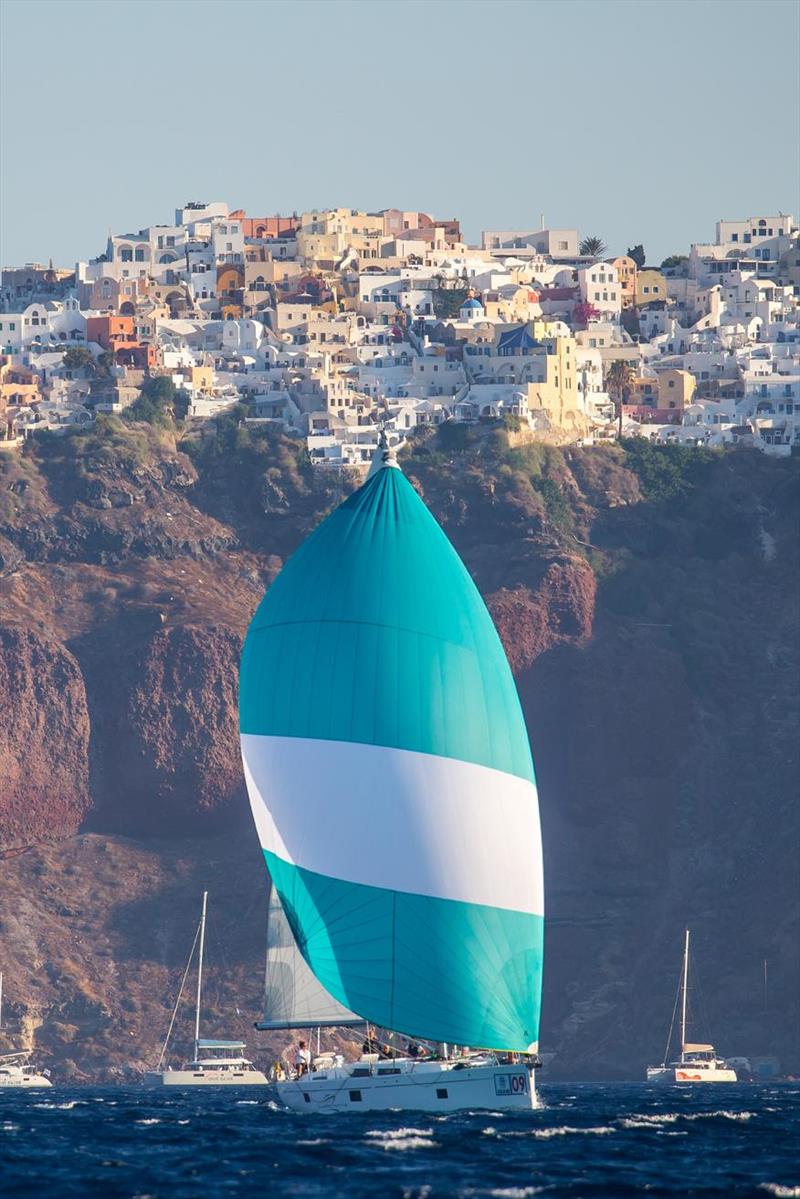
[390,777]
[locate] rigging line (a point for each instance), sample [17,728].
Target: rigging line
[672,1021]
[178,1000]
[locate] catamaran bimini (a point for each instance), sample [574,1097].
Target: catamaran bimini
[392,787]
[698,1062]
[215,1063]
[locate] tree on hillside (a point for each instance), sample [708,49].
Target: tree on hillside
[619,379]
[78,358]
[674,260]
[593,247]
[637,254]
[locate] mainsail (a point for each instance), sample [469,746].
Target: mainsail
[391,779]
[293,997]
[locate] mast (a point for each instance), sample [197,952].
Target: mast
[685,989]
[200,976]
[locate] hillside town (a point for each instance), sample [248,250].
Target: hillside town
[337,325]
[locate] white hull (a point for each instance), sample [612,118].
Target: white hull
[205,1078]
[414,1086]
[16,1080]
[690,1073]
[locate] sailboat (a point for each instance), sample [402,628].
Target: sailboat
[14,1068]
[392,788]
[214,1063]
[698,1062]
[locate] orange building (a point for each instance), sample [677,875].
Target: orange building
[626,273]
[111,331]
[266,226]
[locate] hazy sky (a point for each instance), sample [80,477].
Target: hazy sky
[639,120]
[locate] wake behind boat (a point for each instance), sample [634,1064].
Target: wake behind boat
[214,1063]
[392,787]
[698,1062]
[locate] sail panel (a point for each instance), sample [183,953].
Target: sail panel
[293,996]
[446,849]
[374,632]
[391,779]
[433,968]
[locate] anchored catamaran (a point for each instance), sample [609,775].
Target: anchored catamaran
[214,1063]
[698,1062]
[393,791]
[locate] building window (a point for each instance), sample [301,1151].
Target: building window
[139,255]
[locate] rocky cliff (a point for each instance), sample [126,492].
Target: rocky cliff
[648,601]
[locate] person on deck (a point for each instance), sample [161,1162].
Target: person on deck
[302,1059]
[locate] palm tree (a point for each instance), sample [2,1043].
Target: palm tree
[619,378]
[593,247]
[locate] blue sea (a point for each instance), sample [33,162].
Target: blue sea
[586,1140]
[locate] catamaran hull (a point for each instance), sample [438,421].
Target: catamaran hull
[208,1078]
[686,1074]
[422,1087]
[30,1080]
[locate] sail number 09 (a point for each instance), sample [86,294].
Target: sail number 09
[510,1084]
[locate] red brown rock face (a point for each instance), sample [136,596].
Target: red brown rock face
[559,611]
[179,764]
[44,740]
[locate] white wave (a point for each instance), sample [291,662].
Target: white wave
[392,1134]
[514,1192]
[645,1120]
[184,1121]
[149,1120]
[62,1107]
[246,1102]
[775,1188]
[9,1127]
[489,1132]
[315,1141]
[399,1139]
[565,1130]
[411,1143]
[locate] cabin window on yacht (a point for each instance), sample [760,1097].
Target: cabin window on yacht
[306,1096]
[355,1096]
[441,1092]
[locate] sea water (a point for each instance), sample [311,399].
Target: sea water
[585,1140]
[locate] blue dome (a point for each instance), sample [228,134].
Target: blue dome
[472,303]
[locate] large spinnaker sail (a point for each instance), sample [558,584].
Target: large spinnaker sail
[391,779]
[293,996]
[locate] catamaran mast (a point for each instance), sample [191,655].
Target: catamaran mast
[685,989]
[200,977]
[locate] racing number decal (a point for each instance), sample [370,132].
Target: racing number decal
[510,1084]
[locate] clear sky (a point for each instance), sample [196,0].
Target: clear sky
[638,120]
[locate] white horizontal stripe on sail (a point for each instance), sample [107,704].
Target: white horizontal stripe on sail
[397,819]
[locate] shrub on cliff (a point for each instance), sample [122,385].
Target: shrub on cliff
[665,472]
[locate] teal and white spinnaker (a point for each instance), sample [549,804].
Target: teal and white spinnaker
[391,779]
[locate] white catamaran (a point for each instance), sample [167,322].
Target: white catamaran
[14,1068]
[215,1063]
[698,1062]
[392,788]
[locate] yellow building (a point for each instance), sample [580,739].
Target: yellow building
[325,236]
[675,389]
[557,394]
[650,285]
